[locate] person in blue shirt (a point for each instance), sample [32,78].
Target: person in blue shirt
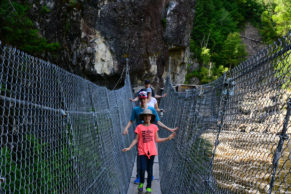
[136,111]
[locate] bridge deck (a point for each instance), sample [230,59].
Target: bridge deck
[132,189]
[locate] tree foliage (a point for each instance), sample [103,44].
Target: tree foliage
[233,51]
[17,29]
[217,27]
[282,17]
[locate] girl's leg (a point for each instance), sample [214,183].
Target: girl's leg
[150,163]
[137,180]
[143,167]
[137,165]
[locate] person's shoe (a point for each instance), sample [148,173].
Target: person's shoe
[140,187]
[148,191]
[136,181]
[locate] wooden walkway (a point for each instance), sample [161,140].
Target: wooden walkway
[132,189]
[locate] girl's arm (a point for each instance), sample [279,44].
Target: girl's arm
[133,99]
[162,96]
[132,144]
[157,107]
[125,131]
[159,140]
[165,127]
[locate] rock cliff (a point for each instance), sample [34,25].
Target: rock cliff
[97,35]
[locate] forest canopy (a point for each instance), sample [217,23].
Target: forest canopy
[215,40]
[19,30]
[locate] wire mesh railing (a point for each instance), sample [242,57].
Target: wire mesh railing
[234,132]
[60,133]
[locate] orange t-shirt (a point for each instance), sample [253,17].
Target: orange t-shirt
[146,140]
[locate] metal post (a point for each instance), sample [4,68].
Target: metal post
[283,137]
[68,127]
[227,91]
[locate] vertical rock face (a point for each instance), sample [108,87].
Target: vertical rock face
[98,35]
[252,39]
[103,61]
[177,66]
[179,18]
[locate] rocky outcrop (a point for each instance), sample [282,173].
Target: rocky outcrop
[103,61]
[177,66]
[96,37]
[252,39]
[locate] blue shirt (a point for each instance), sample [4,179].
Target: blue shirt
[136,111]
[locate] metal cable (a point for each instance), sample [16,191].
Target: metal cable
[60,133]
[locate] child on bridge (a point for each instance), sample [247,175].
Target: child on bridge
[146,136]
[136,111]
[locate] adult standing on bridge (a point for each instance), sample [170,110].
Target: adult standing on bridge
[152,101]
[136,111]
[147,84]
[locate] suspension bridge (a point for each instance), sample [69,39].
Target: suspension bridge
[62,134]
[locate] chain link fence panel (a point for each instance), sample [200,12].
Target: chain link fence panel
[60,133]
[234,134]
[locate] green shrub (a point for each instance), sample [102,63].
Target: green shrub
[32,169]
[45,10]
[233,51]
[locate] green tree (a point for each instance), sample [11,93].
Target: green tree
[267,29]
[214,21]
[282,17]
[217,25]
[17,29]
[233,51]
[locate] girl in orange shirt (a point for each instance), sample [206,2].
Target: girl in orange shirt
[146,136]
